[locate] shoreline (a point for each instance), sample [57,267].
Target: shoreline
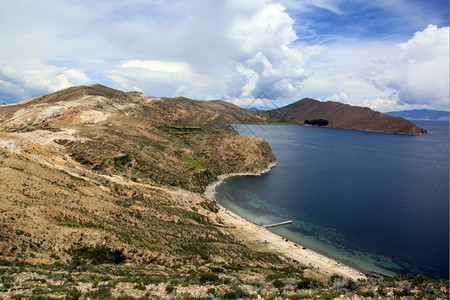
[254,233]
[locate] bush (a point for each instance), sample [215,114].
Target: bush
[278,284]
[97,255]
[208,277]
[236,294]
[308,283]
[367,294]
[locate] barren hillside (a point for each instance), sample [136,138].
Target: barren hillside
[345,116]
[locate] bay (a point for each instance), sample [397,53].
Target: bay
[376,201]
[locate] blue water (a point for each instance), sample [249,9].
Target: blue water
[376,201]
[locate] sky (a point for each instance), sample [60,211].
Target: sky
[385,54]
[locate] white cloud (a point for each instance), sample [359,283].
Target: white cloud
[164,78]
[24,81]
[418,73]
[75,77]
[160,66]
[341,97]
[244,50]
[268,61]
[386,105]
[413,74]
[335,70]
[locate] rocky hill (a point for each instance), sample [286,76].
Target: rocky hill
[100,196]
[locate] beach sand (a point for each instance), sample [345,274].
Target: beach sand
[259,238]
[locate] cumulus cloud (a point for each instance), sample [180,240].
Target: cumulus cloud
[269,63]
[160,66]
[245,49]
[341,97]
[419,72]
[27,81]
[387,105]
[163,78]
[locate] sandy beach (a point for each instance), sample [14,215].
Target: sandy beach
[253,234]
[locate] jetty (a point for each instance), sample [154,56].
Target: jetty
[277,224]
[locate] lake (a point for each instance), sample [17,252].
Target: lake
[376,201]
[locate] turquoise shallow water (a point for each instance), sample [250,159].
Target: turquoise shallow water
[376,201]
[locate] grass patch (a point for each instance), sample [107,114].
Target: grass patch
[198,163]
[81,160]
[180,129]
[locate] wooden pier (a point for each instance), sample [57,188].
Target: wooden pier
[277,224]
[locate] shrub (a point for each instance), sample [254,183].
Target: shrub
[97,255]
[169,289]
[278,284]
[208,277]
[338,282]
[308,283]
[236,294]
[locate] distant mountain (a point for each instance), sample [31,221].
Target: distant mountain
[341,115]
[256,108]
[421,114]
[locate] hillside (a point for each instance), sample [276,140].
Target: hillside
[92,166]
[341,115]
[93,176]
[177,142]
[101,196]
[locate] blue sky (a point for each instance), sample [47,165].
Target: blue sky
[388,55]
[366,20]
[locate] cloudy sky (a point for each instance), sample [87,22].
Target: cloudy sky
[385,54]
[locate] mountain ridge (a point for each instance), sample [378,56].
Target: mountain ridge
[223,114]
[421,114]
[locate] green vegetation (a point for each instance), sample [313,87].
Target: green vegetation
[196,163]
[180,129]
[82,160]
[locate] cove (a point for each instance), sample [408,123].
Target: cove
[378,202]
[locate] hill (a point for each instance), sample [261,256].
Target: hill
[101,196]
[85,163]
[341,115]
[421,114]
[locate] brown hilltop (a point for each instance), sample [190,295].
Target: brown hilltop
[343,116]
